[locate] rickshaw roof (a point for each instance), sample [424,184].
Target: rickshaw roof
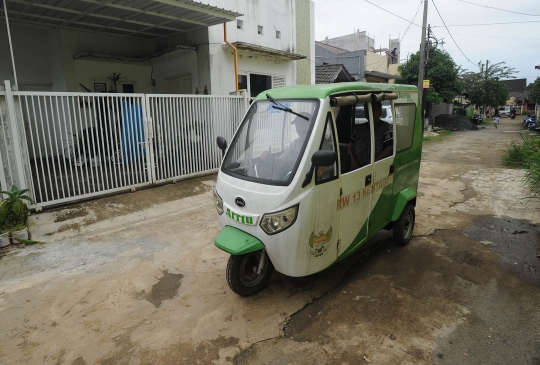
[321,91]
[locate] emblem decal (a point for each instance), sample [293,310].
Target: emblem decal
[319,240]
[240,202]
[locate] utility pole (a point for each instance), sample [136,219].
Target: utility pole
[486,76]
[426,70]
[422,61]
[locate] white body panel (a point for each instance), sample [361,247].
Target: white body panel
[290,250]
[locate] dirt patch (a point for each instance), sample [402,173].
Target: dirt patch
[166,288]
[454,122]
[71,213]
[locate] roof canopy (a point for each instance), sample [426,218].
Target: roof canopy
[265,51]
[139,19]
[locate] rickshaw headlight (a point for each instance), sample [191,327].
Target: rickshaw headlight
[273,223]
[218,202]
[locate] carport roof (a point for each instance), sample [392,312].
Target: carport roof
[266,51]
[139,19]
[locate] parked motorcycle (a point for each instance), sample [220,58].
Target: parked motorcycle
[529,122]
[477,118]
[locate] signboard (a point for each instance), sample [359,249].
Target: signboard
[425,84]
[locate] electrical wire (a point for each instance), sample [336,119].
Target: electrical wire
[486,36]
[491,7]
[451,36]
[392,13]
[474,25]
[411,22]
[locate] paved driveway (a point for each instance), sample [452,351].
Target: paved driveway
[135,279]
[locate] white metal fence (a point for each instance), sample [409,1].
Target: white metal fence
[70,146]
[184,129]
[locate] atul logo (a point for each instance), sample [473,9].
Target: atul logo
[239,218]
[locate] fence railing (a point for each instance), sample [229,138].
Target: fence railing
[185,128]
[75,146]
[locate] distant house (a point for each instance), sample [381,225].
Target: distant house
[357,54]
[518,94]
[329,74]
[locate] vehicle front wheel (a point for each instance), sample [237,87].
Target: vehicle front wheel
[242,275]
[404,226]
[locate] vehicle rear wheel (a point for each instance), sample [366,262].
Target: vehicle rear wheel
[404,226]
[242,275]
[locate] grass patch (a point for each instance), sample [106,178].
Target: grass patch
[526,155]
[487,121]
[442,134]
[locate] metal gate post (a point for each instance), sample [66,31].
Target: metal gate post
[14,128]
[149,145]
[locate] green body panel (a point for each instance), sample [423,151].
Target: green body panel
[380,213]
[404,185]
[321,91]
[403,198]
[237,242]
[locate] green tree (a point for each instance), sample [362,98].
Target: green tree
[484,87]
[443,75]
[534,91]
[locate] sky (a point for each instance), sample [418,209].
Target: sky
[467,42]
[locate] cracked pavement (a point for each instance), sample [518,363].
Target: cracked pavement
[135,279]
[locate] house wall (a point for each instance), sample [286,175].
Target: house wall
[37,56]
[376,62]
[277,15]
[305,35]
[210,65]
[352,42]
[442,108]
[175,64]
[88,71]
[393,70]
[353,61]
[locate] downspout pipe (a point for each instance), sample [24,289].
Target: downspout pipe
[10,46]
[235,51]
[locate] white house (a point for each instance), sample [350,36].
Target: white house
[126,134]
[157,46]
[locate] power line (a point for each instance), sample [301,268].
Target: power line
[451,34]
[486,36]
[491,7]
[392,13]
[411,22]
[474,25]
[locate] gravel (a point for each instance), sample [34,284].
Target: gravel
[454,122]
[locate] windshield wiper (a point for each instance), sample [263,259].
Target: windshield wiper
[280,106]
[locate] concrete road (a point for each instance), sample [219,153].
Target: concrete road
[135,279]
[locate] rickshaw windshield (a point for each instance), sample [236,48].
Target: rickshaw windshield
[269,144]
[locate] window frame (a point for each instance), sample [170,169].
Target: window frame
[395,106]
[298,162]
[329,120]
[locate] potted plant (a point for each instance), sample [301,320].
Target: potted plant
[14,211]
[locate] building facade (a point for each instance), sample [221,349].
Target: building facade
[157,46]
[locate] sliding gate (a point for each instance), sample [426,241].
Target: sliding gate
[66,147]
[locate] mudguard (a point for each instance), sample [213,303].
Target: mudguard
[403,198]
[237,242]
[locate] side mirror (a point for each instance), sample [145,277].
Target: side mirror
[323,158]
[320,158]
[222,144]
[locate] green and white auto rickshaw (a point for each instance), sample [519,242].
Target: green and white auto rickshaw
[304,182]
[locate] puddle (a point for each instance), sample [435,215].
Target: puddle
[166,288]
[517,241]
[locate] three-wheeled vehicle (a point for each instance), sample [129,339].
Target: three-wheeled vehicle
[302,185]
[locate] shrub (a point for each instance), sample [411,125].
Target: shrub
[526,155]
